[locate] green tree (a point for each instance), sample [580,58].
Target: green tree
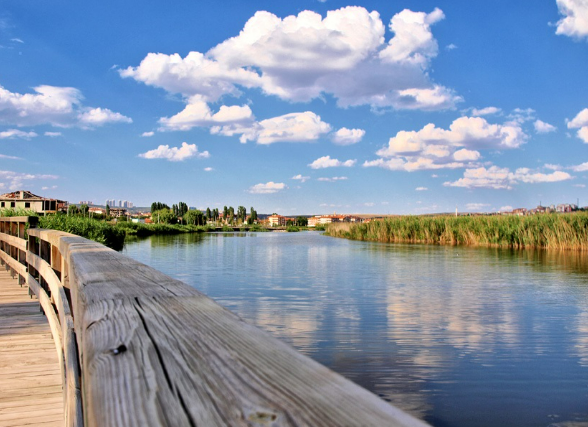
[107,210]
[84,209]
[302,221]
[225,213]
[208,214]
[194,217]
[231,214]
[164,216]
[241,213]
[253,214]
[182,208]
[156,206]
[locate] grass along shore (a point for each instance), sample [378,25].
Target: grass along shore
[548,231]
[111,235]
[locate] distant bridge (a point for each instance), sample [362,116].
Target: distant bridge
[138,348]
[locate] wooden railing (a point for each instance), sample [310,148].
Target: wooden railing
[154,351]
[38,265]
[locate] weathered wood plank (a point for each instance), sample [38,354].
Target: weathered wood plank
[31,219]
[57,292]
[73,398]
[42,420]
[16,406]
[17,242]
[14,264]
[50,315]
[33,413]
[25,394]
[30,378]
[29,370]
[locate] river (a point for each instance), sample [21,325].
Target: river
[457,336]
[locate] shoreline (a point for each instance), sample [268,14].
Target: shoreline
[545,231]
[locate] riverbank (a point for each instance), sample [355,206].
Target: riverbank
[548,231]
[114,234]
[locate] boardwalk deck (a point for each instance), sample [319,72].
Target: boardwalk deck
[30,377]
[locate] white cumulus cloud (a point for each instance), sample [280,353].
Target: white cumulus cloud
[267,188]
[580,168]
[437,148]
[301,178]
[91,117]
[465,155]
[468,132]
[542,127]
[147,134]
[16,180]
[56,106]
[292,127]
[575,18]
[195,74]
[332,179]
[175,154]
[580,122]
[528,176]
[15,133]
[502,178]
[346,136]
[421,189]
[552,167]
[327,162]
[485,111]
[198,113]
[300,58]
[413,41]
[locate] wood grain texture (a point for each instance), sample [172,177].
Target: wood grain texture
[14,241]
[52,319]
[14,264]
[30,377]
[57,292]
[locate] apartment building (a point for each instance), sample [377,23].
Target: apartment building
[277,220]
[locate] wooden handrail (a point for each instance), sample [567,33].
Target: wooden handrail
[154,351]
[43,281]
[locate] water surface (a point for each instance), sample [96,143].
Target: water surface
[456,336]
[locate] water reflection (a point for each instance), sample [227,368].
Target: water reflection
[457,336]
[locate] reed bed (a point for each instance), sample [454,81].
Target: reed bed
[548,231]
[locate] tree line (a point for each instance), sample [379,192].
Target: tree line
[180,213]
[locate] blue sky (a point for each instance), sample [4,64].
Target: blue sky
[299,107]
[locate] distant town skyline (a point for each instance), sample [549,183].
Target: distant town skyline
[306,107]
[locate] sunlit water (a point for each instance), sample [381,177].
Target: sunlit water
[456,336]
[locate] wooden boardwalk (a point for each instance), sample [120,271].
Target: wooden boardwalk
[30,377]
